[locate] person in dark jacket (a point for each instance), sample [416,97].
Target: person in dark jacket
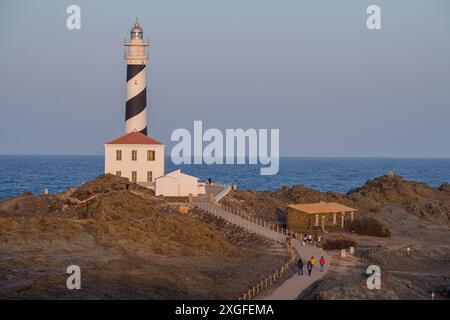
[309,266]
[300,266]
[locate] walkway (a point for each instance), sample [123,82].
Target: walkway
[295,285]
[241,222]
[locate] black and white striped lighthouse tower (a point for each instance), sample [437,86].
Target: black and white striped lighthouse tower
[136,58]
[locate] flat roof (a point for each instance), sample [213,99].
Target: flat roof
[321,207]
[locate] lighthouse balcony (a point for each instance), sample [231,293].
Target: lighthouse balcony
[136,42]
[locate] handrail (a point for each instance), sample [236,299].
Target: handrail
[265,224]
[268,281]
[222,193]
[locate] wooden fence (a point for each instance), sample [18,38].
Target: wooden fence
[265,224]
[267,282]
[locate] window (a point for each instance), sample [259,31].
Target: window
[134,176]
[150,155]
[118,155]
[149,176]
[136,35]
[119,173]
[133,155]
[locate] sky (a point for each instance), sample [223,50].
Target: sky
[309,68]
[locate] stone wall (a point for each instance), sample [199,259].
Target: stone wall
[298,221]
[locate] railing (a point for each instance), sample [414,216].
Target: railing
[262,223]
[263,228]
[136,42]
[241,222]
[264,284]
[222,193]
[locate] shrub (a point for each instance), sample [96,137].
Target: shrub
[367,226]
[338,244]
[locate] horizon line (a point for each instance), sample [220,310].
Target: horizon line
[281,156]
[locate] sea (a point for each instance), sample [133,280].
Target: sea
[19,173]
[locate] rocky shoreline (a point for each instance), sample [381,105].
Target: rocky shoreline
[131,244]
[417,217]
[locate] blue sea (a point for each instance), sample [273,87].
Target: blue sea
[57,173]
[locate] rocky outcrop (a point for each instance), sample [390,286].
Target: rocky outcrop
[416,198]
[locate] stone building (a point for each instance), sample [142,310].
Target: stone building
[321,216]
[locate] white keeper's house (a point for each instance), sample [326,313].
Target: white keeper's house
[135,156]
[178,184]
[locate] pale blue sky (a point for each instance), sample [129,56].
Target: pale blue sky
[310,68]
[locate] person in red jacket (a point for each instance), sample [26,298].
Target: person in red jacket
[322,263]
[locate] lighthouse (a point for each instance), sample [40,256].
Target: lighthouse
[135,155]
[136,58]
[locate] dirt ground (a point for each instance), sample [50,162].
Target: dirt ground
[128,246]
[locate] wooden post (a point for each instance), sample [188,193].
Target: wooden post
[317,220]
[334,218]
[323,223]
[342,219]
[352,216]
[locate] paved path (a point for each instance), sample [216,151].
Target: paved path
[294,286]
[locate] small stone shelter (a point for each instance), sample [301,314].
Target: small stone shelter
[318,216]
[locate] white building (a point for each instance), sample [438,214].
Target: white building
[136,157]
[177,184]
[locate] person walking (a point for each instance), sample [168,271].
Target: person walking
[300,266]
[313,261]
[322,263]
[309,267]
